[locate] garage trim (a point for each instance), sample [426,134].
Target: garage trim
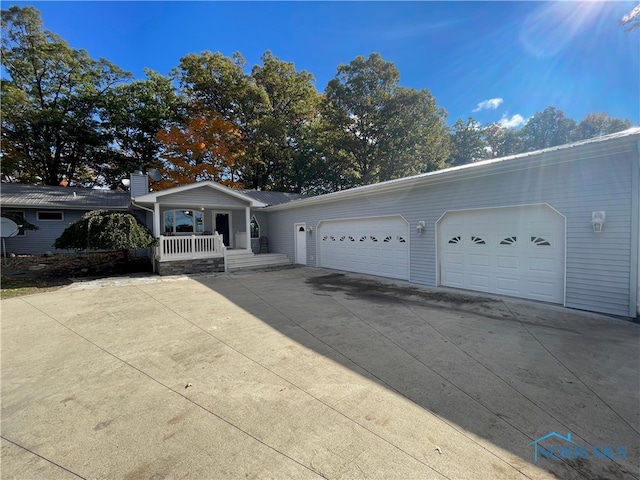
[326,220]
[564,219]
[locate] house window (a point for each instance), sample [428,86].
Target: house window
[47,215]
[16,216]
[254,226]
[183,221]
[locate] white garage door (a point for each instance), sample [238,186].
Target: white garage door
[516,251]
[376,246]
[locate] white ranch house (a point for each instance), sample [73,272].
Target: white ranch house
[560,225]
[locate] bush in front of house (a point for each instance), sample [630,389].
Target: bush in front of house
[106,230]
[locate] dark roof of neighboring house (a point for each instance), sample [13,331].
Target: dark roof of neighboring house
[72,198]
[273,198]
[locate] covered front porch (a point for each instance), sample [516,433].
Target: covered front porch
[206,232]
[205,227]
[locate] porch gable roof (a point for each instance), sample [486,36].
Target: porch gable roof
[156,197]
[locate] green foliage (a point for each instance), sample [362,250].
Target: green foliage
[105,230]
[270,107]
[467,142]
[50,102]
[276,132]
[598,124]
[546,129]
[376,130]
[134,113]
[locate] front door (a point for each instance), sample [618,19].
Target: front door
[221,222]
[301,243]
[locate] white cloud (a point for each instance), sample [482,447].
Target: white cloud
[513,122]
[490,104]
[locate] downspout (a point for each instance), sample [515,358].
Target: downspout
[141,207]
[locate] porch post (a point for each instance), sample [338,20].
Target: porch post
[156,220]
[247,218]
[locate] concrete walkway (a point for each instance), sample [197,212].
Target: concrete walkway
[307,373]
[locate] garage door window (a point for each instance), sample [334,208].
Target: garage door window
[509,241]
[540,242]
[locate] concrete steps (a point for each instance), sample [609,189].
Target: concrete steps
[246,261]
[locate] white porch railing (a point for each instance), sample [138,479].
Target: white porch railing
[189,247]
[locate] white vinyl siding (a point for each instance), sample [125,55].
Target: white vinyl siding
[598,265]
[197,197]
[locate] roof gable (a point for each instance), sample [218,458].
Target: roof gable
[157,197]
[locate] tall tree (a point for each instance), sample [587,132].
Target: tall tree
[598,124]
[205,148]
[216,83]
[379,130]
[276,131]
[269,107]
[51,103]
[467,142]
[501,141]
[546,129]
[134,113]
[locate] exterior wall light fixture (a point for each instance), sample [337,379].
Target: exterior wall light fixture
[597,221]
[421,226]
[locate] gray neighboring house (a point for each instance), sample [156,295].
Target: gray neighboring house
[52,209]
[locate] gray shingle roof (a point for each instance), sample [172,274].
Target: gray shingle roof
[38,196]
[273,198]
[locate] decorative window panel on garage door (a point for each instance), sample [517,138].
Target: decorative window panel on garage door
[375,246]
[516,251]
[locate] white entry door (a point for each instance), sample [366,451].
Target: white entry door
[516,251]
[301,243]
[376,246]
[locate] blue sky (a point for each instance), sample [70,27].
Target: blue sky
[489,60]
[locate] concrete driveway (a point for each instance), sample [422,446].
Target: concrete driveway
[307,373]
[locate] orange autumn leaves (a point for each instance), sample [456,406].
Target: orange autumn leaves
[207,147]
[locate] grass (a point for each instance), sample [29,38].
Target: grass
[14,287]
